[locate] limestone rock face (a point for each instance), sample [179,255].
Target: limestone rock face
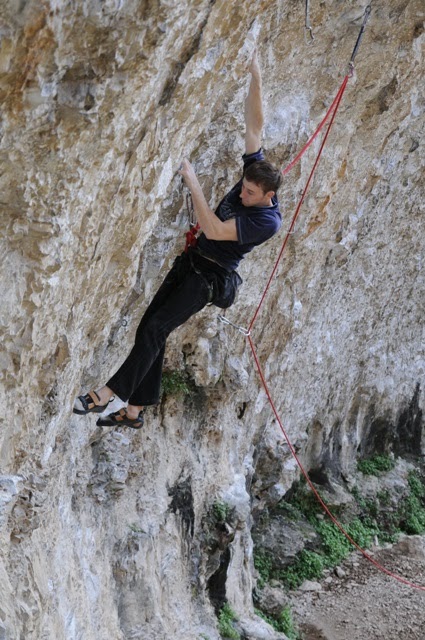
[141,534]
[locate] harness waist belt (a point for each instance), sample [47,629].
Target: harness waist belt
[200,257]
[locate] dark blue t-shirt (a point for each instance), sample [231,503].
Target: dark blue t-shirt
[254,225]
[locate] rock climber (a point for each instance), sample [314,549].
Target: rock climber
[246,217]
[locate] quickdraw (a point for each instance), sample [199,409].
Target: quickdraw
[192,234]
[366,15]
[307,26]
[224,320]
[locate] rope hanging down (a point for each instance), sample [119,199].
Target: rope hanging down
[247,332]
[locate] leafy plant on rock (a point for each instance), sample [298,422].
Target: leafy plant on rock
[413,507]
[286,624]
[376,466]
[263,562]
[335,545]
[389,518]
[308,565]
[283,623]
[221,511]
[305,502]
[226,617]
[175,383]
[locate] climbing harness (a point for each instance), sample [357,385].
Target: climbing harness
[331,113]
[307,26]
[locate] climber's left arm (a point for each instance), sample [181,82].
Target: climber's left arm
[211,225]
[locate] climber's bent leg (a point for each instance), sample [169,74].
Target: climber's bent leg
[147,393]
[134,380]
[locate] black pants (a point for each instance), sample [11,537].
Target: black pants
[183,293]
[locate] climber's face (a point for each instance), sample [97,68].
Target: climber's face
[252,195]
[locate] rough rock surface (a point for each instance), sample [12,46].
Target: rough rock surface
[107,535]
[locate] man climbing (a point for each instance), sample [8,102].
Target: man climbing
[246,217]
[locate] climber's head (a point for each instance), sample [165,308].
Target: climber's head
[260,182]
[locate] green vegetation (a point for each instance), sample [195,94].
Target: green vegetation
[363,532]
[305,502]
[135,528]
[334,547]
[263,562]
[406,515]
[413,507]
[286,624]
[225,619]
[283,623]
[175,383]
[383,517]
[376,466]
[384,497]
[221,511]
[307,566]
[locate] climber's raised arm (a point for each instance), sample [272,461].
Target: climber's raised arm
[254,118]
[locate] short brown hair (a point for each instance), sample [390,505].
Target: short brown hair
[265,175]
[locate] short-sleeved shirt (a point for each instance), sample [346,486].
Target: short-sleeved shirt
[254,225]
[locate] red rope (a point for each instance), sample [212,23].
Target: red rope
[333,109]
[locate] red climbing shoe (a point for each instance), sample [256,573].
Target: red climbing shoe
[90,403]
[121,419]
